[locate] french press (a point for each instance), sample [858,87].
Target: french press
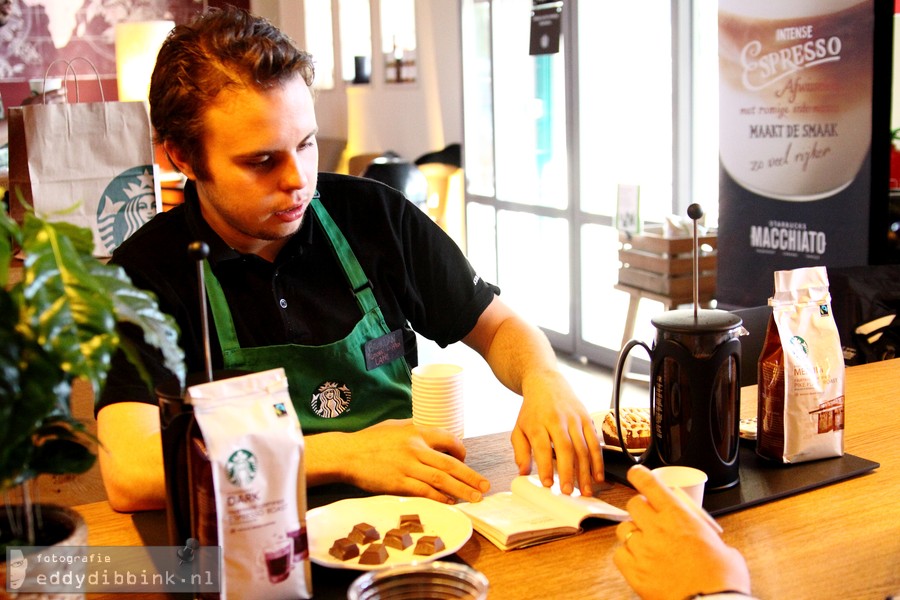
[695,373]
[177,425]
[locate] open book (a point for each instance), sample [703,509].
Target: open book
[532,514]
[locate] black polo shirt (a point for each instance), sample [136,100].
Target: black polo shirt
[420,278]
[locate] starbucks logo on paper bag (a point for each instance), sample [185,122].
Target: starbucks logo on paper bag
[241,468]
[128,202]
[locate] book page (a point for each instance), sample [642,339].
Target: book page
[531,513]
[509,521]
[572,509]
[510,514]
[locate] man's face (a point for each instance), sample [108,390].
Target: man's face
[17,568]
[5,11]
[262,159]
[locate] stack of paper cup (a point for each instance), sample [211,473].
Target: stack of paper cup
[437,397]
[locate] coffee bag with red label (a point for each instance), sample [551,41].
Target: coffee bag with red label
[800,414]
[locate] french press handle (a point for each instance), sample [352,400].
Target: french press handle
[617,388]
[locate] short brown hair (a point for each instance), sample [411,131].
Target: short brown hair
[221,48]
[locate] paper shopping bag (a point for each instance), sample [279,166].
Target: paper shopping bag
[87,163]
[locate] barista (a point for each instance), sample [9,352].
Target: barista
[315,273]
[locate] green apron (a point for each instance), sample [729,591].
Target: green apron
[331,387]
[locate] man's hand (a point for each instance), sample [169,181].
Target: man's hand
[670,552]
[396,457]
[553,422]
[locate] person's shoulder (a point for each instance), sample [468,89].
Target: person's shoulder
[156,239]
[348,193]
[332,185]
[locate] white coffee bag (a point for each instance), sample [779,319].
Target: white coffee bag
[801,372]
[255,448]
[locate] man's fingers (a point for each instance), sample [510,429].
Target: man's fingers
[645,482]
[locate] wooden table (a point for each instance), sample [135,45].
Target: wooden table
[838,541]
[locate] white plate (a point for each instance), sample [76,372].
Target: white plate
[328,523]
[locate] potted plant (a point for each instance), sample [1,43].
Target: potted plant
[59,322]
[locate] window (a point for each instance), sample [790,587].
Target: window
[320,40]
[398,40]
[625,104]
[356,36]
[630,98]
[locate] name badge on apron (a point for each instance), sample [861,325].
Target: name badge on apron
[384,349]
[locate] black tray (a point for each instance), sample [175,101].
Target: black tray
[761,480]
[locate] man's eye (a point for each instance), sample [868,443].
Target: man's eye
[259,161]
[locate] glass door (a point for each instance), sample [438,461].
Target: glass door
[516,164]
[630,99]
[625,125]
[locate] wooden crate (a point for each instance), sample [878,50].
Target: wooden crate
[662,265]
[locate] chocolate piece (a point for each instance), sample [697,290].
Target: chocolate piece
[429,544]
[344,549]
[398,538]
[363,533]
[375,554]
[411,523]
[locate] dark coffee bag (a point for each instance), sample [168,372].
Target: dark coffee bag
[254,444]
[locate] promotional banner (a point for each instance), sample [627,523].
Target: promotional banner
[795,140]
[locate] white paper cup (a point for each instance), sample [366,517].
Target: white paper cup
[436,372]
[691,481]
[437,397]
[42,85]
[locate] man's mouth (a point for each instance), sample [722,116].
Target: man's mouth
[291,214]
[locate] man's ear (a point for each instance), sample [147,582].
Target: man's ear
[176,156]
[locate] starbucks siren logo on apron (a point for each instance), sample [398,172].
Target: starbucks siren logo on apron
[331,399]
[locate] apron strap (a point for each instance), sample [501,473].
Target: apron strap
[357,278]
[219,306]
[221,315]
[359,282]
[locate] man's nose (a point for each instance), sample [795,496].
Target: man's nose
[292,176]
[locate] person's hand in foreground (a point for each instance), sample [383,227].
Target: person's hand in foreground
[669,552]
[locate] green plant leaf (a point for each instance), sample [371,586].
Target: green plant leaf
[59,323]
[140,307]
[10,237]
[68,313]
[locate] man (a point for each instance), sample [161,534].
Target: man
[315,273]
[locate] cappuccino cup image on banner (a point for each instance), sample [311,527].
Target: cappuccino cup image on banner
[795,95]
